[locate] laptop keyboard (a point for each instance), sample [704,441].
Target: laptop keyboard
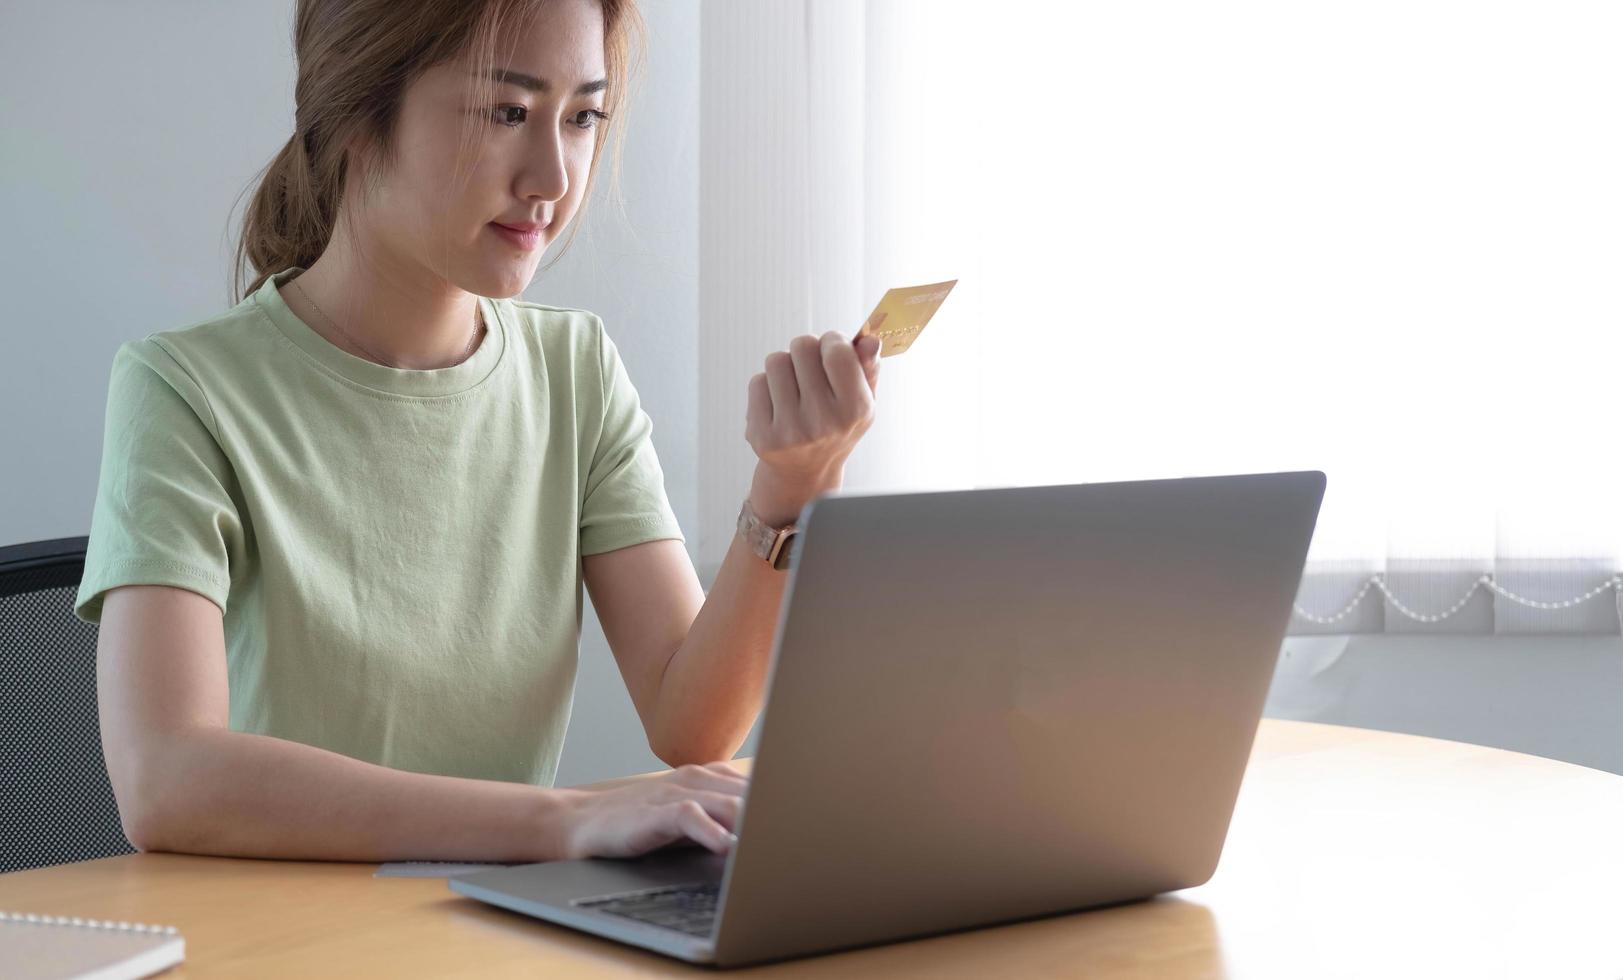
[685,908]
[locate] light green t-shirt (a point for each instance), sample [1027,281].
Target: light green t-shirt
[396,553]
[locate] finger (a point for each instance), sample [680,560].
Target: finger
[689,818]
[816,395]
[868,354]
[760,403]
[780,381]
[723,806]
[845,373]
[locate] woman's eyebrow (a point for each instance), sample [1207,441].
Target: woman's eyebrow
[533,84]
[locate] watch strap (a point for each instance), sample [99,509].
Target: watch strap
[773,545]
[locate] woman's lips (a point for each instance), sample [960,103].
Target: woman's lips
[523,239]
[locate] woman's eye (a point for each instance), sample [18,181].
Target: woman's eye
[499,110]
[593,117]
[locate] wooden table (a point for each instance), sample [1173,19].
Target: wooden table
[1352,853]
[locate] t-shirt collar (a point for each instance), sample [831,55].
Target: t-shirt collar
[401,381]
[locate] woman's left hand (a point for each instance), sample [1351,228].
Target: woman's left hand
[807,411]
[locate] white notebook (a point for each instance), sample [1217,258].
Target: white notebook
[49,947]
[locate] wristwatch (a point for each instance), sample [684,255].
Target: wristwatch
[772,543]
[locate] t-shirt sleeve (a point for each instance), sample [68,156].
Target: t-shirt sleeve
[624,502]
[165,511]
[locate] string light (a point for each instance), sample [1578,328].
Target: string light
[1379,580]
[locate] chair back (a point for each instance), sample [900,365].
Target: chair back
[56,801]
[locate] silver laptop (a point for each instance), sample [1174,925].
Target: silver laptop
[983,706]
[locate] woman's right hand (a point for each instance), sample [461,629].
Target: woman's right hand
[693,802]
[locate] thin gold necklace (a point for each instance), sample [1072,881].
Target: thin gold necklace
[478,320]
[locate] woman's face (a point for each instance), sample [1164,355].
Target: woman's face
[537,130]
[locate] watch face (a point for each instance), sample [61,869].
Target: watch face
[782,560]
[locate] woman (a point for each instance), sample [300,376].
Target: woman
[341,530]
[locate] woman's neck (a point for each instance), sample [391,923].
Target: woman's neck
[406,326]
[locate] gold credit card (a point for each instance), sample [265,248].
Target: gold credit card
[902,314]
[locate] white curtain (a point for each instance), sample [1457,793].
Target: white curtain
[1378,239]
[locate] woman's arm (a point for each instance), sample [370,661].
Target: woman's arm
[211,791]
[235,794]
[713,688]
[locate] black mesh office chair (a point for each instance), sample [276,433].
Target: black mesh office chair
[56,803]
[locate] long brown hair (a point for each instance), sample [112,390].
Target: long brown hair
[355,60]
